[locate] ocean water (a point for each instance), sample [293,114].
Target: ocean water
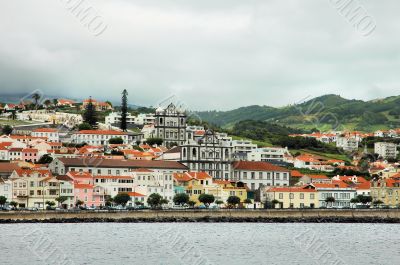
[199,243]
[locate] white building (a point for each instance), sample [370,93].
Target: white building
[111,167]
[241,148]
[338,190]
[386,150]
[258,174]
[141,119]
[170,125]
[268,154]
[153,181]
[98,137]
[51,134]
[6,189]
[347,143]
[208,154]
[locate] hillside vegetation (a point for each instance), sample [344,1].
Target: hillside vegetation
[323,113]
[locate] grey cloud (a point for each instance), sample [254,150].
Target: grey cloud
[210,54]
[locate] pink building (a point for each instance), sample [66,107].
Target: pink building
[85,191]
[30,155]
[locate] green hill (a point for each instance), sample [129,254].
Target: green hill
[323,113]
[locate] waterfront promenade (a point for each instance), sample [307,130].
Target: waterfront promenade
[295,215]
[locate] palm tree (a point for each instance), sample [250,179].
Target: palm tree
[47,103]
[36,97]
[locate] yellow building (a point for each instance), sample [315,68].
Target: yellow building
[292,197]
[230,188]
[196,183]
[33,188]
[387,191]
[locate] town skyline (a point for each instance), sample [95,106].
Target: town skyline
[244,53]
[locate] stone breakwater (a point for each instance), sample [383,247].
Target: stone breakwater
[228,216]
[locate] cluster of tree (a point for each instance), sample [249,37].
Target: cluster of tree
[117,140]
[324,110]
[90,114]
[371,140]
[6,130]
[154,141]
[262,130]
[349,172]
[206,199]
[155,201]
[305,143]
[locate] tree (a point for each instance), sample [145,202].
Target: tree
[90,116]
[206,199]
[181,198]
[247,201]
[84,126]
[354,200]
[377,203]
[219,202]
[61,199]
[78,203]
[330,200]
[109,202]
[117,140]
[45,159]
[364,199]
[153,141]
[164,201]
[3,200]
[55,102]
[50,204]
[124,110]
[233,201]
[7,129]
[14,204]
[47,103]
[122,199]
[192,204]
[36,98]
[274,202]
[154,200]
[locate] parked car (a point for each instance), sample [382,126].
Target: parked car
[33,209]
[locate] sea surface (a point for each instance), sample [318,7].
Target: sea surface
[199,243]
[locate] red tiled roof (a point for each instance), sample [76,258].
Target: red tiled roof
[158,164]
[112,177]
[135,194]
[296,174]
[199,175]
[257,166]
[292,189]
[83,186]
[30,150]
[318,176]
[8,167]
[102,132]
[142,170]
[182,177]
[46,130]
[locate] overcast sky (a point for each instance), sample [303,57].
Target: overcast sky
[211,54]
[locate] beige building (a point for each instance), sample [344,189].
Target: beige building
[387,191]
[291,197]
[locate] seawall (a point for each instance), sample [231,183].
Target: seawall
[266,216]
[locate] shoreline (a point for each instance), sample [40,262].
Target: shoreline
[207,216]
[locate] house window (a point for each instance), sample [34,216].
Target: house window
[301,195]
[280,195]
